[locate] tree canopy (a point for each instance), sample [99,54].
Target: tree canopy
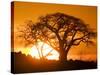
[60,31]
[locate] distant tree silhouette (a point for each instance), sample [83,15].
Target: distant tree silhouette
[40,49]
[60,31]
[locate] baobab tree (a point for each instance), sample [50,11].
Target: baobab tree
[60,31]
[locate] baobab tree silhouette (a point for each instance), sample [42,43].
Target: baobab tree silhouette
[60,31]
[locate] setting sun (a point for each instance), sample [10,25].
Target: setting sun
[42,49]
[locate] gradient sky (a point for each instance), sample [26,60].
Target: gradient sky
[24,11]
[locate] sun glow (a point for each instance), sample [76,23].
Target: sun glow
[42,49]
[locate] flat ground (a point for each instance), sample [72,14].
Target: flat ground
[27,64]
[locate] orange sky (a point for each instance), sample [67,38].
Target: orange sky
[24,11]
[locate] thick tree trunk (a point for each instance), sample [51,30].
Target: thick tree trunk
[63,54]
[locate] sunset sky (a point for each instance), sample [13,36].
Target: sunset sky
[24,11]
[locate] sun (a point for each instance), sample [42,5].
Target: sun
[42,49]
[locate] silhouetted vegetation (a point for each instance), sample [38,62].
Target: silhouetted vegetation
[60,31]
[27,64]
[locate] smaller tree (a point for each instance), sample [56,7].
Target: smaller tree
[40,48]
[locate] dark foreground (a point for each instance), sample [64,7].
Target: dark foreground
[26,64]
